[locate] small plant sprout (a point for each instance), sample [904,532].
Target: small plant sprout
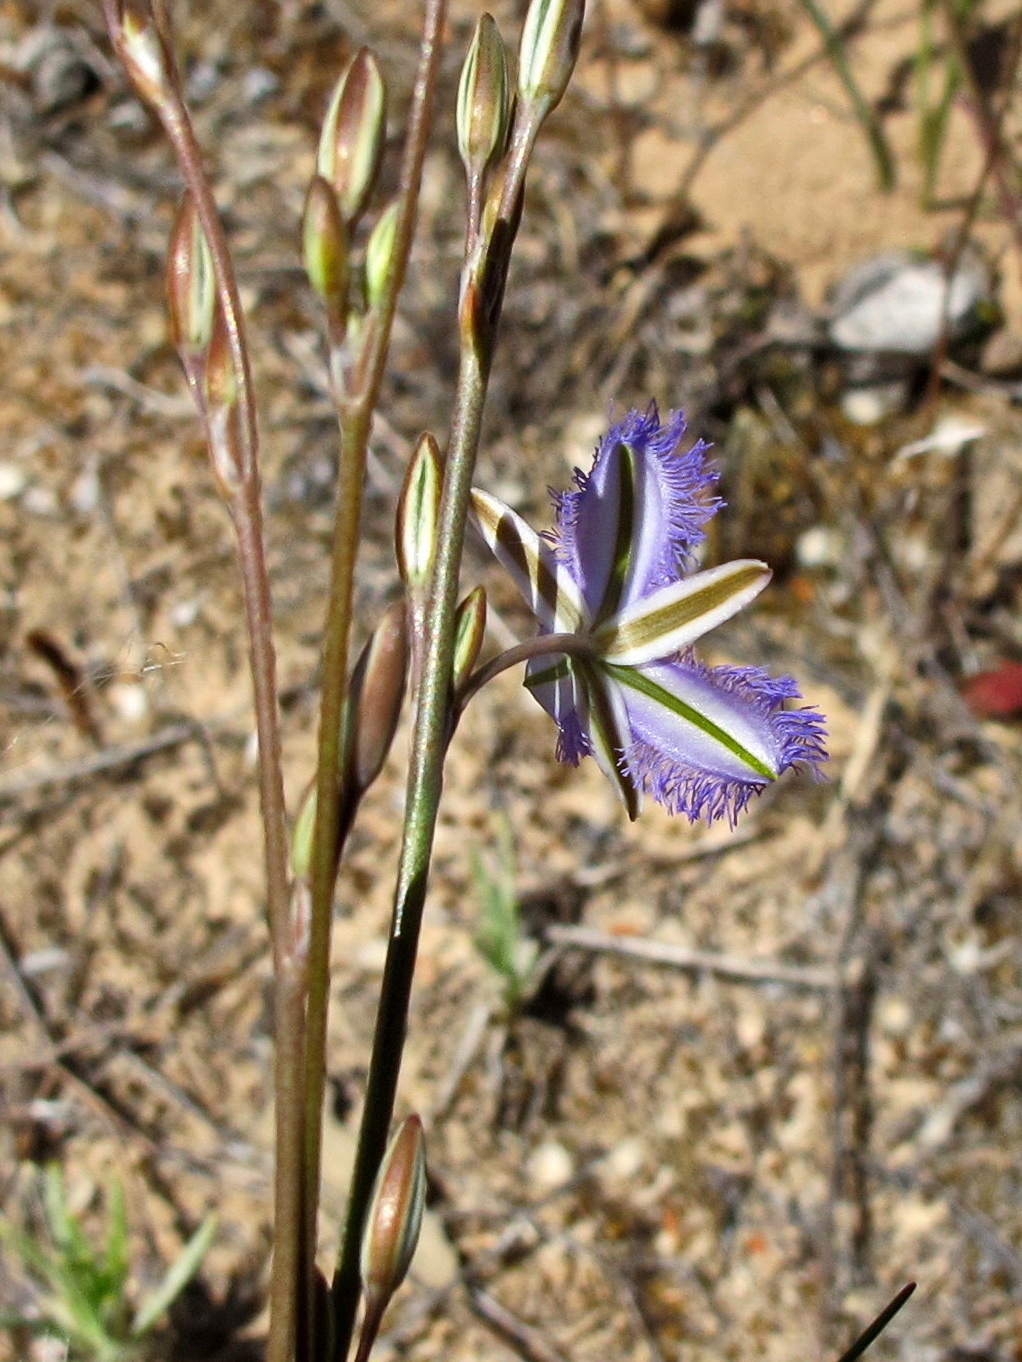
[86,1292]
[498,937]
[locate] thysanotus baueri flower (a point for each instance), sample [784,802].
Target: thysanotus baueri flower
[617,575]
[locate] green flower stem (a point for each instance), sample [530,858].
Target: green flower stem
[424,785]
[355,409]
[481,299]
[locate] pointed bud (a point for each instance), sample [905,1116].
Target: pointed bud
[469,631]
[374,700]
[418,510]
[548,51]
[220,405]
[191,284]
[142,49]
[351,143]
[302,834]
[221,380]
[395,1215]
[483,99]
[325,247]
[380,254]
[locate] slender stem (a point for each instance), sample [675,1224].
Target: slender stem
[289,973]
[355,416]
[425,778]
[246,515]
[288,1001]
[481,299]
[873,1331]
[868,119]
[543,645]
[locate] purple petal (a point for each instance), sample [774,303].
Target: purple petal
[688,770]
[553,682]
[643,491]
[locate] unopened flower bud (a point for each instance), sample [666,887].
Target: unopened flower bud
[483,99]
[302,834]
[374,701]
[191,284]
[142,49]
[221,379]
[469,631]
[380,254]
[548,51]
[351,143]
[325,246]
[395,1215]
[418,510]
[220,404]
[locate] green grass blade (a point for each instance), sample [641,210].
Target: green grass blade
[180,1273]
[871,125]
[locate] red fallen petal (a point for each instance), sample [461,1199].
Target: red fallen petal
[995,694]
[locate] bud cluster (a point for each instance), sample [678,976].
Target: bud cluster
[347,167]
[497,128]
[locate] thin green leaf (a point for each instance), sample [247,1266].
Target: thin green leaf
[116,1258]
[66,1234]
[180,1273]
[870,123]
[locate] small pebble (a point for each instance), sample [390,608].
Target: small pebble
[549,1166]
[13,481]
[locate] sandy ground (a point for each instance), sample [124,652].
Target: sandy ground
[738,1155]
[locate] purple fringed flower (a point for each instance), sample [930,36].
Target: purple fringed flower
[616,575]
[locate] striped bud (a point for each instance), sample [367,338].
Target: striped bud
[483,99]
[302,834]
[142,49]
[380,254]
[395,1216]
[418,510]
[221,380]
[374,700]
[548,51]
[191,285]
[351,143]
[220,405]
[469,631]
[325,246]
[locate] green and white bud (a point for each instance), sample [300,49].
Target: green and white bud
[395,1216]
[191,284]
[302,834]
[325,247]
[380,254]
[142,49]
[220,377]
[548,51]
[351,143]
[418,512]
[483,99]
[220,406]
[469,631]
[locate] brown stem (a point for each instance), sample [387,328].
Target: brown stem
[246,514]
